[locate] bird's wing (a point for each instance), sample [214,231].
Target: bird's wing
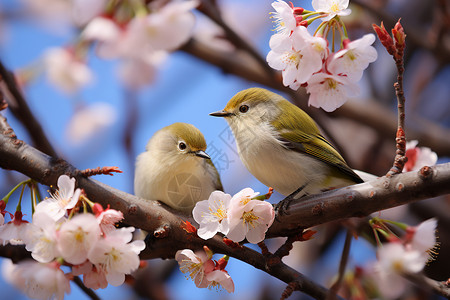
[217,183]
[318,147]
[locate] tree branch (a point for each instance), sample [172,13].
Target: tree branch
[165,226]
[19,107]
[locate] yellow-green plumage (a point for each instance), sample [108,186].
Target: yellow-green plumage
[178,176]
[282,146]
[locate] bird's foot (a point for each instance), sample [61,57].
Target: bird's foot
[282,206]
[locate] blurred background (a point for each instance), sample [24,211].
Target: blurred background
[108,121]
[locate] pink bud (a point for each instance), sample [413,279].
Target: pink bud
[303,23]
[385,38]
[97,209]
[298,10]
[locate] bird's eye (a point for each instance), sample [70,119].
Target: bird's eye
[243,108]
[181,146]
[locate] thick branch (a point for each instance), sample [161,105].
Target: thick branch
[363,199]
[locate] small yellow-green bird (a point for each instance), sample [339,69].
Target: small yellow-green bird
[281,145]
[175,168]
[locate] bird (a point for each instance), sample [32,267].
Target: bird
[282,146]
[175,169]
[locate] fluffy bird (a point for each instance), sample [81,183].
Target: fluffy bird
[175,168]
[282,146]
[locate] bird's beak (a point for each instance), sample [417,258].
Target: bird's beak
[202,154]
[221,113]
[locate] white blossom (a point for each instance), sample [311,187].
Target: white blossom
[284,17]
[77,236]
[41,281]
[298,56]
[90,122]
[424,238]
[116,255]
[64,198]
[15,231]
[211,214]
[330,91]
[354,58]
[332,8]
[65,71]
[394,260]
[219,278]
[418,157]
[41,238]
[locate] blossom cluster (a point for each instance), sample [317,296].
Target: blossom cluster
[404,256]
[239,217]
[88,242]
[305,60]
[140,37]
[203,270]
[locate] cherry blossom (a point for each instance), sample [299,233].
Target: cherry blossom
[284,17]
[393,261]
[331,8]
[93,277]
[41,238]
[116,255]
[65,71]
[66,197]
[107,218]
[354,58]
[248,218]
[424,236]
[40,281]
[219,278]
[298,56]
[196,265]
[211,214]
[90,122]
[330,91]
[418,157]
[15,231]
[77,236]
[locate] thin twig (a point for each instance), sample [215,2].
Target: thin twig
[100,171]
[89,292]
[342,266]
[22,112]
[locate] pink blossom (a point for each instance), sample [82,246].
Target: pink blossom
[107,218]
[93,277]
[196,265]
[219,278]
[248,218]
